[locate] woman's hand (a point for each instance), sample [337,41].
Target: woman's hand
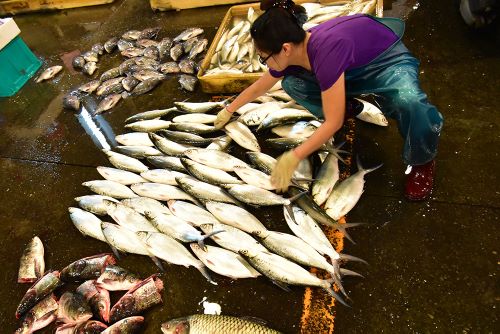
[222,118]
[283,170]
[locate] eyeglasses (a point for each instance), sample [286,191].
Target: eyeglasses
[264,60]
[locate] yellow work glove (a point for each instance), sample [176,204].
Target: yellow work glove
[283,171]
[222,118]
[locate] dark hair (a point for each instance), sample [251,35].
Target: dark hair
[280,23]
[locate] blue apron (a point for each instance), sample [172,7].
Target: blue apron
[393,78]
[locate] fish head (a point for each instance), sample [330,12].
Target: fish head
[103,304]
[248,253]
[176,326]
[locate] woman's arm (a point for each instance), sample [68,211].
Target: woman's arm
[333,101]
[258,88]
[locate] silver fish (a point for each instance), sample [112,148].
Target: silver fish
[109,188]
[145,204]
[232,238]
[87,223]
[326,179]
[127,217]
[191,213]
[151,114]
[242,135]
[208,174]
[372,114]
[199,107]
[49,73]
[107,103]
[125,162]
[224,262]
[148,125]
[254,177]
[195,118]
[235,216]
[167,162]
[94,203]
[215,159]
[220,144]
[204,191]
[195,128]
[118,175]
[256,196]
[284,272]
[285,116]
[138,151]
[186,138]
[32,263]
[161,192]
[172,251]
[123,239]
[163,176]
[167,146]
[347,193]
[301,129]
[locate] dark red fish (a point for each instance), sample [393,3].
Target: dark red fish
[87,268]
[44,286]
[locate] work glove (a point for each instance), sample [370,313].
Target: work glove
[283,170]
[222,118]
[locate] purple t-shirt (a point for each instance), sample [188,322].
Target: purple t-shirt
[341,44]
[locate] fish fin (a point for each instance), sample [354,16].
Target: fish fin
[158,263]
[295,197]
[344,232]
[366,170]
[115,251]
[255,320]
[204,271]
[347,272]
[346,257]
[282,285]
[328,288]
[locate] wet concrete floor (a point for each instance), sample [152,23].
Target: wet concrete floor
[433,266]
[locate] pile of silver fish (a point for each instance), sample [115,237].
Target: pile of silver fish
[235,52]
[149,61]
[74,310]
[174,186]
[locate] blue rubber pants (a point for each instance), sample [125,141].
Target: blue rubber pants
[393,78]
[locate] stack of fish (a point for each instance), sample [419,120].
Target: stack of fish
[235,51]
[74,310]
[174,183]
[148,63]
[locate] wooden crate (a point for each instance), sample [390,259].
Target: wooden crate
[11,7]
[163,5]
[235,83]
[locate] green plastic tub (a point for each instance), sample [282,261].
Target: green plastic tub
[17,65]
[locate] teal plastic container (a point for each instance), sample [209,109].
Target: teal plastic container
[17,65]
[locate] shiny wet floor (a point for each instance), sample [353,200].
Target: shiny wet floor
[433,266]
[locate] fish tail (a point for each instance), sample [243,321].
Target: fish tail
[346,257]
[204,271]
[158,263]
[201,241]
[366,170]
[295,197]
[347,272]
[327,286]
[344,232]
[336,277]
